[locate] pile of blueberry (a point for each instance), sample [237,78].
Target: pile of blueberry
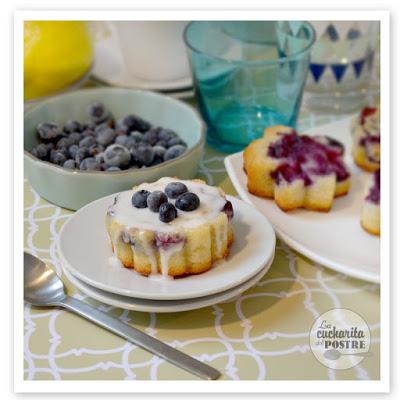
[103,144]
[157,201]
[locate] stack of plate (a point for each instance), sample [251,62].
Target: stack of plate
[89,264]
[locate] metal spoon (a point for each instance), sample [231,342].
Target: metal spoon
[335,354]
[42,287]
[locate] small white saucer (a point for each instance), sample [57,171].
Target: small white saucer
[109,68]
[163,306]
[85,251]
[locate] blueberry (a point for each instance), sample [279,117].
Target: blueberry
[87,141]
[156,161]
[162,143]
[41,151]
[134,155]
[159,151]
[121,129]
[75,137]
[100,127]
[131,142]
[122,139]
[81,154]
[106,136]
[142,125]
[57,157]
[72,126]
[155,199]
[135,123]
[98,113]
[88,132]
[174,141]
[174,151]
[167,212]
[95,149]
[117,156]
[137,136]
[145,155]
[48,130]
[175,189]
[64,142]
[151,137]
[113,169]
[70,164]
[72,150]
[34,152]
[187,201]
[166,134]
[50,146]
[89,164]
[139,198]
[100,158]
[63,150]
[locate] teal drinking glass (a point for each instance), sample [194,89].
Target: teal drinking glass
[248,76]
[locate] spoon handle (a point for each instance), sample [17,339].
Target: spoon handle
[141,339]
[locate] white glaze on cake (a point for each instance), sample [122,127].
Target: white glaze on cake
[150,253]
[211,204]
[166,254]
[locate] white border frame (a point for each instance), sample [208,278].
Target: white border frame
[379,386]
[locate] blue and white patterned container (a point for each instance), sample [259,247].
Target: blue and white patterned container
[342,62]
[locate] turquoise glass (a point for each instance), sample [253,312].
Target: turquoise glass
[248,76]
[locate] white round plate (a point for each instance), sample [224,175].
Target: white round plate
[109,68]
[85,251]
[164,306]
[334,239]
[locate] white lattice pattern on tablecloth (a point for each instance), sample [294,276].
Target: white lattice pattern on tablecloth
[228,337]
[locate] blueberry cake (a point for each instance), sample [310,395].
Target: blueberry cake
[296,170]
[366,134]
[371,210]
[170,227]
[104,144]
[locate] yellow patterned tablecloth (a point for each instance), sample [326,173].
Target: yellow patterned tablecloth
[261,335]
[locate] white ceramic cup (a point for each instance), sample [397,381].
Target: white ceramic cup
[154,50]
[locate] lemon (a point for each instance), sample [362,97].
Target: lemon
[56,54]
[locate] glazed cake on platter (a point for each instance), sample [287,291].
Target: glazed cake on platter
[366,133]
[296,170]
[371,210]
[170,227]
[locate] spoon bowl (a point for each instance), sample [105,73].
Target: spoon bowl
[42,286]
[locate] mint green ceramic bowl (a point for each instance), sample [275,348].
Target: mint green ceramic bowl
[73,189]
